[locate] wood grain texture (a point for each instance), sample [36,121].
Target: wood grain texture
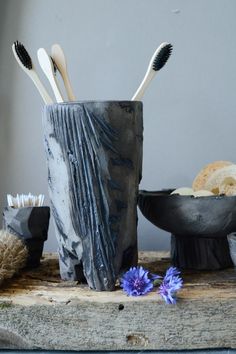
[44,312]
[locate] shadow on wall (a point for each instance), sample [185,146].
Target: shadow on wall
[8,11]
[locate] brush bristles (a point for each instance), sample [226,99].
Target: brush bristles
[23,55]
[162,57]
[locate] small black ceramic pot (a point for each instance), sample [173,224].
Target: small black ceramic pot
[198,227]
[31,225]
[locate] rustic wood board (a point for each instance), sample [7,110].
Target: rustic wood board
[38,310]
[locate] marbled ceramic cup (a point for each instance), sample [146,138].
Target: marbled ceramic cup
[94,156]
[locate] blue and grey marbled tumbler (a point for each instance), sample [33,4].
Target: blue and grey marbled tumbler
[94,155]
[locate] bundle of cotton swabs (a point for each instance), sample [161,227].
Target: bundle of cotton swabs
[50,64]
[23,200]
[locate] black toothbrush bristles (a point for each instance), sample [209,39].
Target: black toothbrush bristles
[162,57]
[23,55]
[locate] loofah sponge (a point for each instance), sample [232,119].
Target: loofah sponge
[228,186]
[203,176]
[222,176]
[13,255]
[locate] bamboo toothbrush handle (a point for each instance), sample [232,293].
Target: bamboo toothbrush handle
[56,90]
[45,96]
[68,87]
[142,88]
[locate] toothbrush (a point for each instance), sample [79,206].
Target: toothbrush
[24,60]
[59,59]
[157,62]
[48,69]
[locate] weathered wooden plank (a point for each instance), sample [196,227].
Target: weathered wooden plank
[45,312]
[200,351]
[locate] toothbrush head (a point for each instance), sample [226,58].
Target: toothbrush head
[161,56]
[22,55]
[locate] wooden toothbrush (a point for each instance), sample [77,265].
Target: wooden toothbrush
[47,66]
[59,59]
[157,62]
[24,60]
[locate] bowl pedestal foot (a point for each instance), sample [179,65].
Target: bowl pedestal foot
[200,253]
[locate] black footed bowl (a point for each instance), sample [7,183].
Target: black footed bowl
[198,225]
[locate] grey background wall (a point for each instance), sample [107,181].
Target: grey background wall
[189,109]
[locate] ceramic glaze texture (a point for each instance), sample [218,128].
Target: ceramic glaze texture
[199,226]
[94,154]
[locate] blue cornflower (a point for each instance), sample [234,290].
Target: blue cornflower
[172,282]
[172,271]
[135,281]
